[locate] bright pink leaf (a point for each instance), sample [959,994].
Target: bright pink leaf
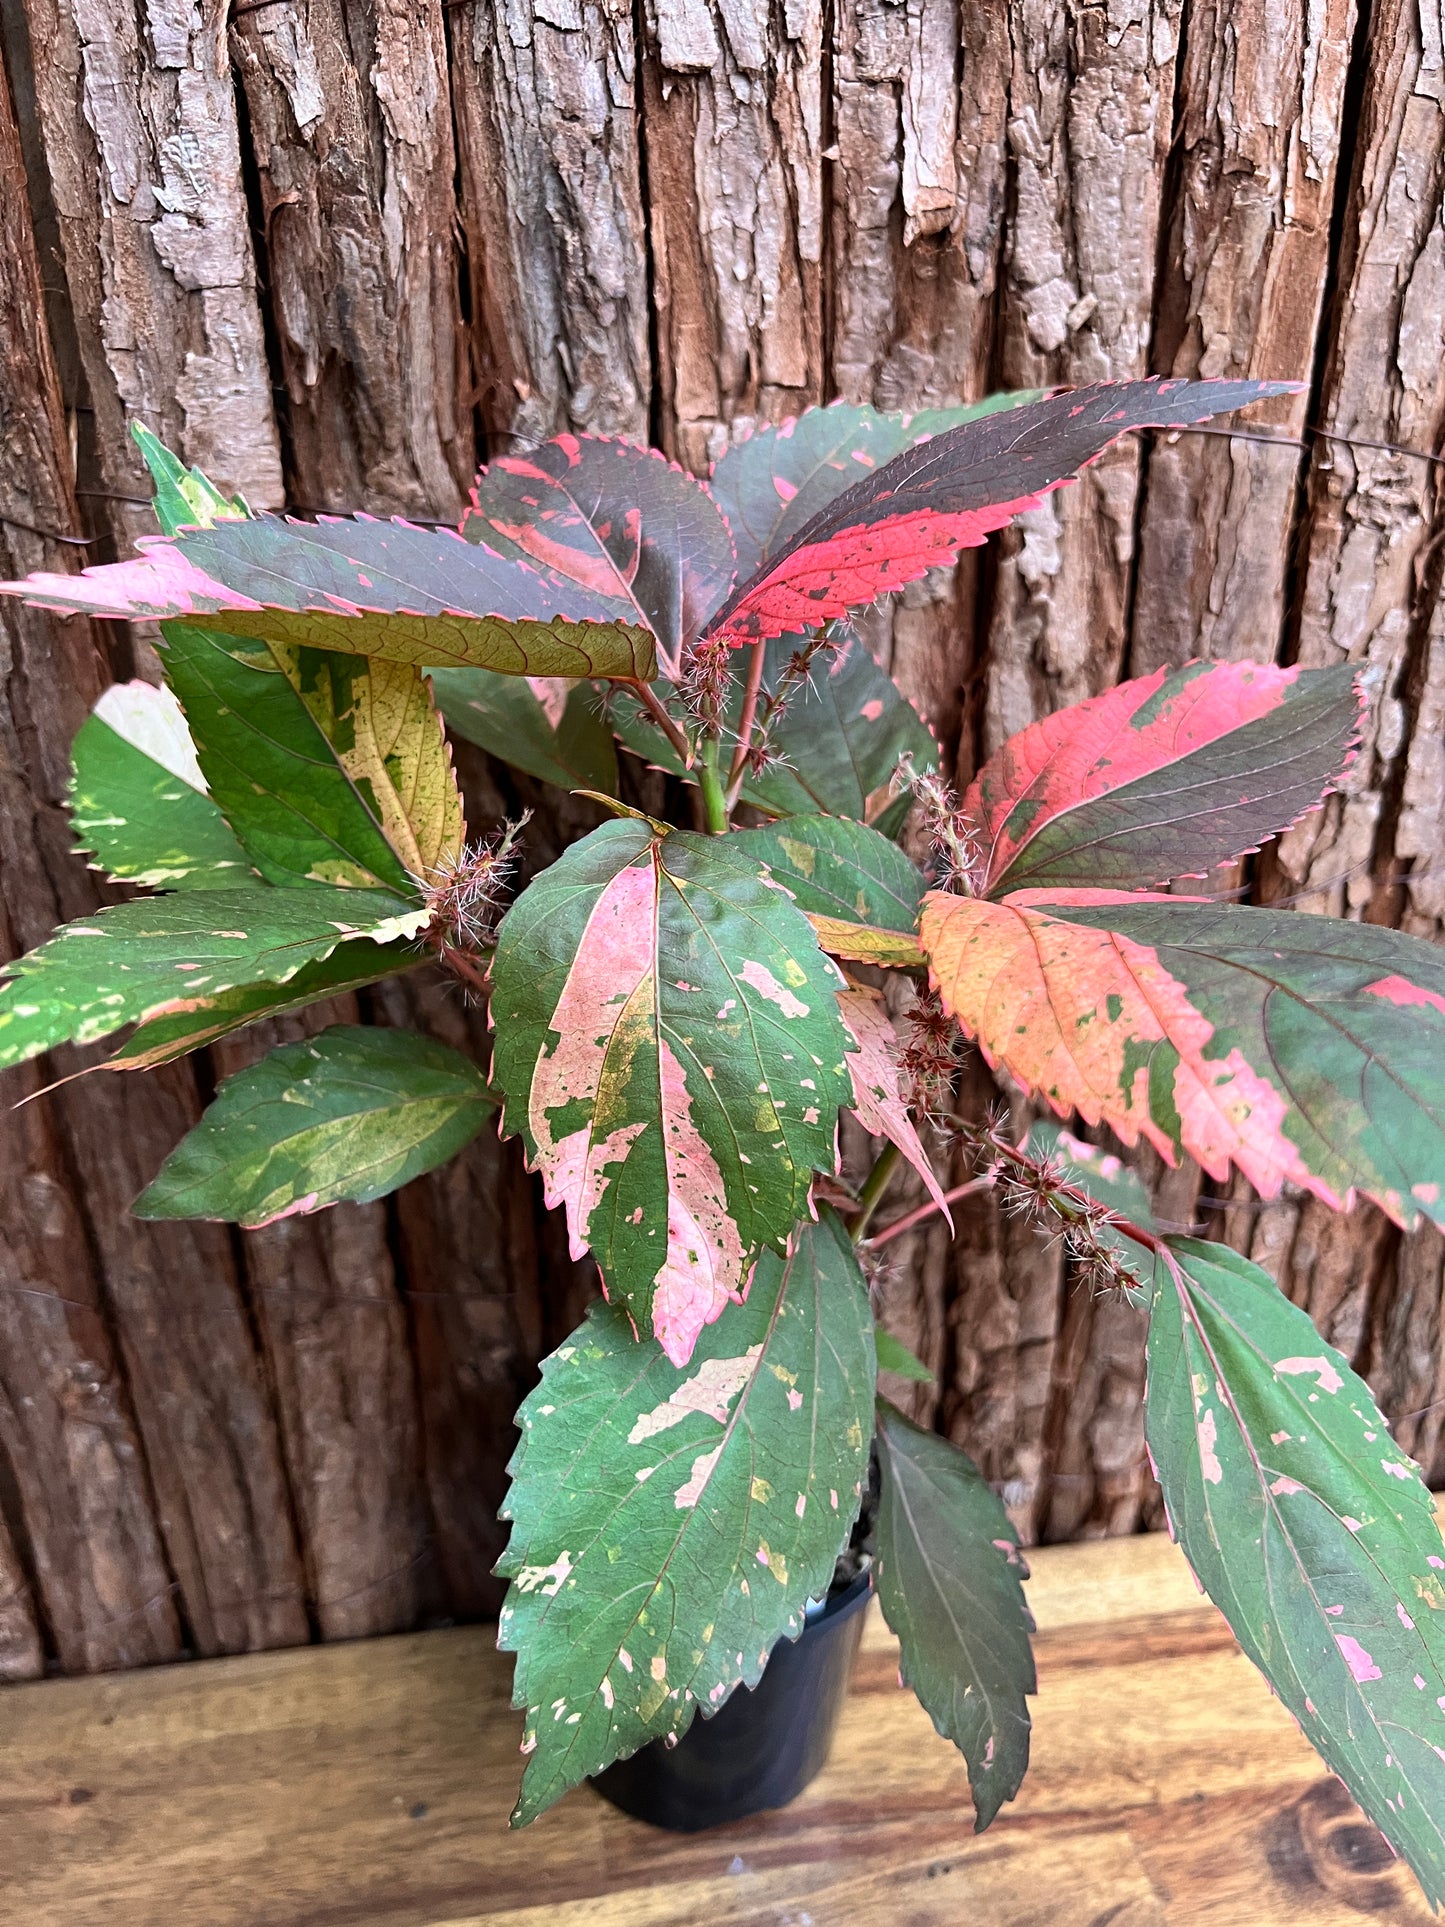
[1161,777]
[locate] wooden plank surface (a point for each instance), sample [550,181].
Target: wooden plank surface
[367,1785]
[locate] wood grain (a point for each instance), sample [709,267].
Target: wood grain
[350,123]
[137,115]
[368,1786]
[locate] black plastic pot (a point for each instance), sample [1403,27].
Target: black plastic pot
[763,1747]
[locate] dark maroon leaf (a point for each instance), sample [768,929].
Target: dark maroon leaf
[950,493]
[772,484]
[620,520]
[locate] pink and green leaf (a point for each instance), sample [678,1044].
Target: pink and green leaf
[621,521]
[1299,1049]
[950,493]
[668,1043]
[773,483]
[1160,778]
[368,588]
[879,1103]
[1309,1528]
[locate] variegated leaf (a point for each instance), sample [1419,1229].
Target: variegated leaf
[839,870]
[947,494]
[185,498]
[138,801]
[670,1524]
[296,811]
[138,961]
[381,725]
[550,727]
[668,1043]
[878,1100]
[211,1014]
[1160,778]
[1310,1529]
[1299,1048]
[353,1112]
[367,588]
[617,519]
[772,484]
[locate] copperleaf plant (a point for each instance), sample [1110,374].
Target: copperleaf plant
[685,1004]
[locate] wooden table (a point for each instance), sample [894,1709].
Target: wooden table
[368,1785]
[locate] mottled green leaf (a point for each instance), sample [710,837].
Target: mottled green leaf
[948,1575]
[670,1525]
[552,729]
[772,484]
[382,727]
[270,768]
[1310,1529]
[839,870]
[138,801]
[669,1045]
[147,959]
[894,1356]
[351,1113]
[351,966]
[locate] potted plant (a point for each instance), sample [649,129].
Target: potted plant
[682,1010]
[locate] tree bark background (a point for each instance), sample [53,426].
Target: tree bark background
[336,252]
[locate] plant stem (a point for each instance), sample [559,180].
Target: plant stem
[647,696]
[911,1218]
[873,1187]
[746,721]
[714,802]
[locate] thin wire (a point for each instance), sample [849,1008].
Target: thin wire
[50,535]
[1320,434]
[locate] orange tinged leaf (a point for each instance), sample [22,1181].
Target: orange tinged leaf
[1093,1021]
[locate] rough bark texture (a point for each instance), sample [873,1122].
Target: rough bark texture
[556,236]
[672,223]
[138,118]
[733,107]
[350,126]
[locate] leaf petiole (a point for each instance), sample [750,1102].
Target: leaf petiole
[871,1191]
[714,801]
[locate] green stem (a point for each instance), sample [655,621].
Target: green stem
[874,1185]
[714,800]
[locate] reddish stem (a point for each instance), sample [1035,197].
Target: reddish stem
[746,722]
[911,1218]
[649,700]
